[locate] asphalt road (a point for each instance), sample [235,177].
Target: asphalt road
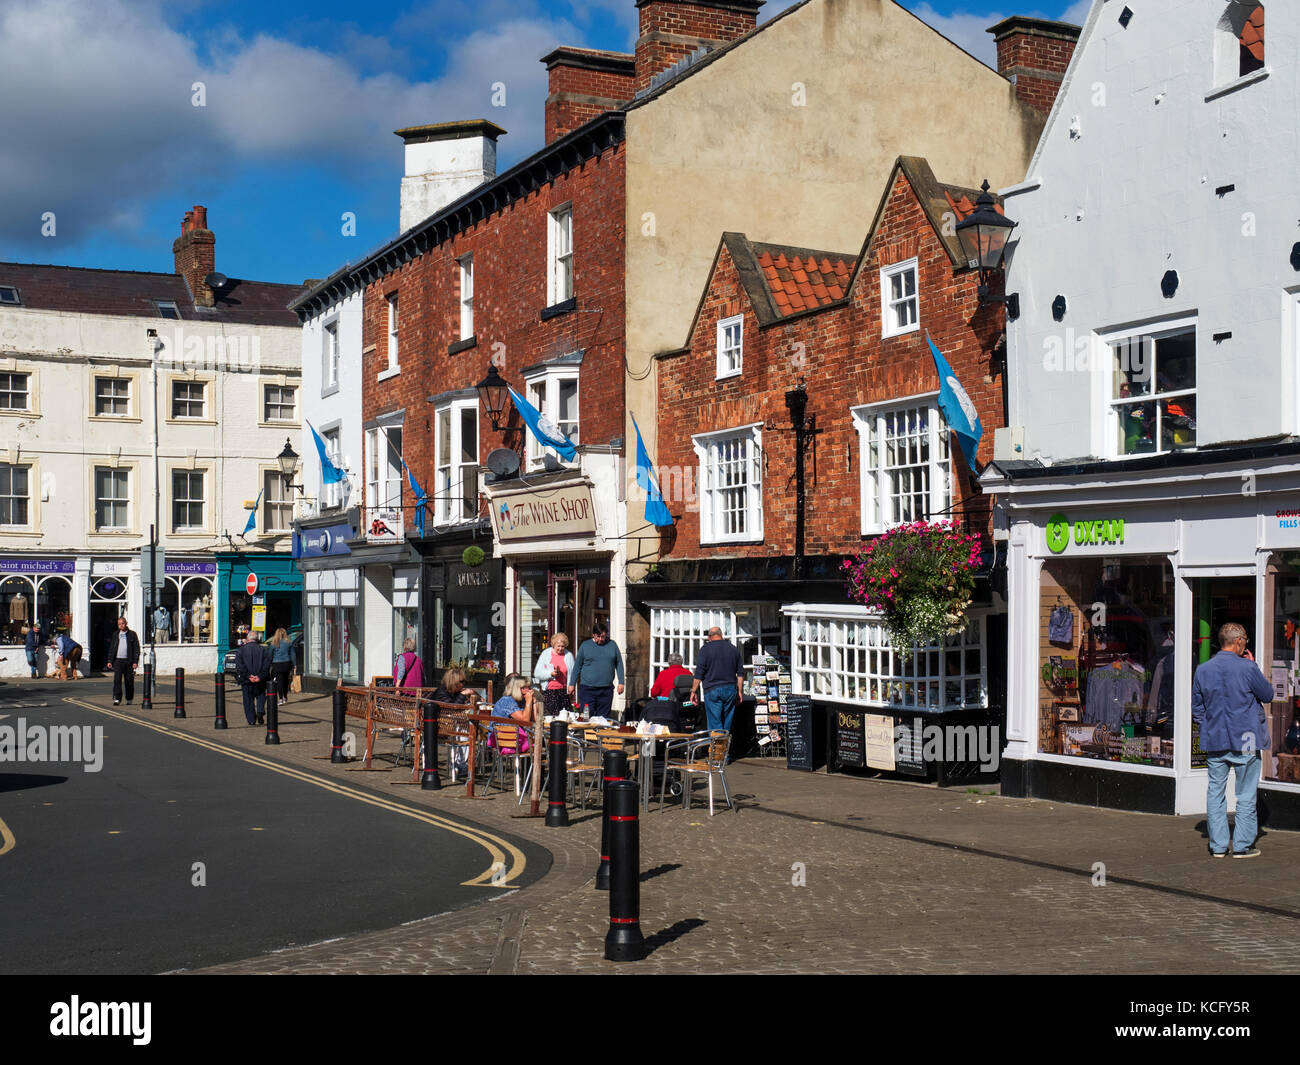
[100,871]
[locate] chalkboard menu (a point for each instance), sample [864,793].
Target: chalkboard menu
[850,739]
[799,732]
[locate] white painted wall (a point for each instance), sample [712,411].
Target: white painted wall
[332,408]
[1122,188]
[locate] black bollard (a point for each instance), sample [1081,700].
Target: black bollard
[430,781]
[221,701]
[336,742]
[180,693]
[147,702]
[557,808]
[272,704]
[624,941]
[615,770]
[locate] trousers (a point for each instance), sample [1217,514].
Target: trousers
[123,677]
[1247,768]
[720,707]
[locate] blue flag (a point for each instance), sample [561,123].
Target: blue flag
[252,516]
[958,410]
[329,473]
[656,511]
[546,431]
[421,497]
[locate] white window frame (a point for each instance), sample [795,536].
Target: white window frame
[559,255]
[550,379]
[707,450]
[271,502]
[730,357]
[168,305]
[873,480]
[1227,48]
[450,477]
[125,500]
[888,320]
[330,356]
[188,500]
[11,391]
[394,366]
[177,382]
[129,397]
[8,300]
[383,478]
[466,264]
[27,471]
[266,403]
[1107,421]
[331,495]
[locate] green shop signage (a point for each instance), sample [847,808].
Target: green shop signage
[1060,529]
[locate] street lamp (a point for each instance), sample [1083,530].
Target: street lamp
[288,460]
[984,234]
[492,390]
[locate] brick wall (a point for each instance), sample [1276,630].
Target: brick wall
[672,29]
[845,363]
[1036,53]
[510,263]
[583,84]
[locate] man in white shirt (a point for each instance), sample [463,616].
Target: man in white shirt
[123,655]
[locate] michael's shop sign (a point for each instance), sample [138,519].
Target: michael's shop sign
[1061,533]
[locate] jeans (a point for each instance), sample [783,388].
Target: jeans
[720,707]
[1247,768]
[254,700]
[31,662]
[600,700]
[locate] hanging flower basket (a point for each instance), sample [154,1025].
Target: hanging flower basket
[473,556]
[920,577]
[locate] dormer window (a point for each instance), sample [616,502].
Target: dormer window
[9,296]
[168,309]
[1239,42]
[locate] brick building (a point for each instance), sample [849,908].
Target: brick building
[841,338]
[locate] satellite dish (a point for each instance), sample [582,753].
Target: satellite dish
[216,282]
[503,461]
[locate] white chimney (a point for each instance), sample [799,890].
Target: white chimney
[443,162]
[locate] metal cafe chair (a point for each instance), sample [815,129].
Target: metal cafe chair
[704,754]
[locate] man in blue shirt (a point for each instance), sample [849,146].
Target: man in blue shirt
[720,672]
[598,662]
[1226,697]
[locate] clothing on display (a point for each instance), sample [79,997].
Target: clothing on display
[1060,625]
[18,608]
[1113,690]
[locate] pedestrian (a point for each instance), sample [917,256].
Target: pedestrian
[597,663]
[253,671]
[123,657]
[1226,695]
[33,643]
[408,670]
[551,675]
[720,673]
[664,684]
[281,665]
[69,655]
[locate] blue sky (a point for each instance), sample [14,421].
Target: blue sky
[299,102]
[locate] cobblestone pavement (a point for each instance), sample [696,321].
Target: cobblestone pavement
[817,873]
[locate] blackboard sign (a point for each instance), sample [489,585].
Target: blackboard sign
[850,739]
[799,732]
[382,682]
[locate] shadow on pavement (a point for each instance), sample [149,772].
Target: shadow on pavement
[659,870]
[27,781]
[672,933]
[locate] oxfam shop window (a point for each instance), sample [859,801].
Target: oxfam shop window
[1106,651]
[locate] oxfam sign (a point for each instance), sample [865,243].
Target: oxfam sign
[1061,532]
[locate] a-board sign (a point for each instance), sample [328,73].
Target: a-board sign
[850,743]
[879,730]
[799,732]
[382,682]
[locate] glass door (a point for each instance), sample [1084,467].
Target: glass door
[1216,601]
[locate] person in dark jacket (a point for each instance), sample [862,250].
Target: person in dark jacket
[33,647]
[253,671]
[123,655]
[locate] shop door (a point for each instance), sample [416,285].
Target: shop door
[562,599]
[1216,601]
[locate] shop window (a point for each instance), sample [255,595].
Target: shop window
[1239,41]
[906,473]
[456,447]
[189,399]
[15,483]
[187,501]
[555,395]
[731,486]
[183,613]
[559,275]
[1276,649]
[112,397]
[15,391]
[112,500]
[755,629]
[277,502]
[731,333]
[899,304]
[1153,397]
[1106,659]
[17,606]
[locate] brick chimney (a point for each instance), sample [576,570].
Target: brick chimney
[194,253]
[673,29]
[583,83]
[443,162]
[1033,54]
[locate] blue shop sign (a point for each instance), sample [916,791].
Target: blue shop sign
[37,565]
[326,540]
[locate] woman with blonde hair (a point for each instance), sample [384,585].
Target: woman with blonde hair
[516,706]
[552,674]
[281,649]
[455,689]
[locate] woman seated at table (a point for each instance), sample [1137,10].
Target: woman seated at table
[454,687]
[516,706]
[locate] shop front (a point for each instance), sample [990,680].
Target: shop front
[39,589]
[1120,582]
[262,592]
[331,646]
[182,623]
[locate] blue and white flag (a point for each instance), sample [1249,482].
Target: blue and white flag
[958,410]
[252,516]
[421,497]
[656,511]
[329,473]
[546,431]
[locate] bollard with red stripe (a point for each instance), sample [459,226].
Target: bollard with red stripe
[624,941]
[615,770]
[430,781]
[336,741]
[147,702]
[180,693]
[221,701]
[272,705]
[557,807]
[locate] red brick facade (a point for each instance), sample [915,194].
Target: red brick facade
[194,253]
[838,351]
[673,29]
[510,291]
[582,84]
[1035,53]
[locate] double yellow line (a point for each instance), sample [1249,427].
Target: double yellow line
[506,864]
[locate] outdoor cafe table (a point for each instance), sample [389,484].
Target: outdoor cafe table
[612,732]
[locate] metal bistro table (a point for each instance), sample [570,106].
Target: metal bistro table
[645,764]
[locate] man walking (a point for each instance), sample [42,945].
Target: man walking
[123,656]
[1226,696]
[720,672]
[253,671]
[598,662]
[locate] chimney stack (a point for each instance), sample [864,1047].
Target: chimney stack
[1033,54]
[673,29]
[583,84]
[443,162]
[194,254]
